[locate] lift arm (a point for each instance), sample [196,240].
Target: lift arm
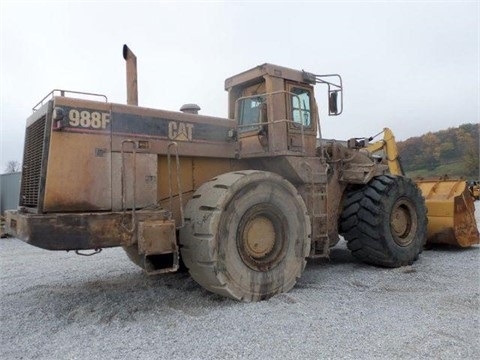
[389,146]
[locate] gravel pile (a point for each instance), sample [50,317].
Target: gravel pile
[57,305]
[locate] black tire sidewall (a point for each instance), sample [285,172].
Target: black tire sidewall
[403,189]
[366,221]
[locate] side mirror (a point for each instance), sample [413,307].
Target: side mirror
[333,102]
[335,90]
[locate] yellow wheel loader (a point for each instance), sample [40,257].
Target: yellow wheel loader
[451,211]
[243,201]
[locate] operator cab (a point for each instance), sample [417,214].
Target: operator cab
[275,110]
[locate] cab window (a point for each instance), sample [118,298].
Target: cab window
[251,113]
[301,112]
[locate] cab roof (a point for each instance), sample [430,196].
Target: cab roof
[258,72]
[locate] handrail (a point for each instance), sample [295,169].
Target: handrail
[124,185]
[179,183]
[51,94]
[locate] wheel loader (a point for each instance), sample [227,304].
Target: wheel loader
[241,201]
[450,207]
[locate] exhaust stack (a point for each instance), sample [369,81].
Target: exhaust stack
[132,90]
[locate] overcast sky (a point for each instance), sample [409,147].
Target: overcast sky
[412,66]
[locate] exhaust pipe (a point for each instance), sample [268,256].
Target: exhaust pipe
[132,90]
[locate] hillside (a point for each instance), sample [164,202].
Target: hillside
[452,152]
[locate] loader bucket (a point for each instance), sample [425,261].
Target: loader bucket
[451,212]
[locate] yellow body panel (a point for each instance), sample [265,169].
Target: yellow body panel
[194,171]
[67,156]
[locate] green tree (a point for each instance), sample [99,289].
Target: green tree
[431,150]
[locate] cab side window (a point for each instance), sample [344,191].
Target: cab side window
[251,115]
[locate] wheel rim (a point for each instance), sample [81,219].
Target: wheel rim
[403,222]
[261,237]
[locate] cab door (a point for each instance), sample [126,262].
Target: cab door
[302,129]
[252,121]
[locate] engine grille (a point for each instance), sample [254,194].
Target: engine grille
[32,163]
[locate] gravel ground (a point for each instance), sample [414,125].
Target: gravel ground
[57,305]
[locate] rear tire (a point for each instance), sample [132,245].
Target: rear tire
[246,235]
[385,222]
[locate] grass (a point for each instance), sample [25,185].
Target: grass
[455,169]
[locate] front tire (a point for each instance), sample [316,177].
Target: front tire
[246,235]
[385,222]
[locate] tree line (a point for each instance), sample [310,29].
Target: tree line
[459,146]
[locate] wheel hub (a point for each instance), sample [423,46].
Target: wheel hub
[400,221]
[403,222]
[259,237]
